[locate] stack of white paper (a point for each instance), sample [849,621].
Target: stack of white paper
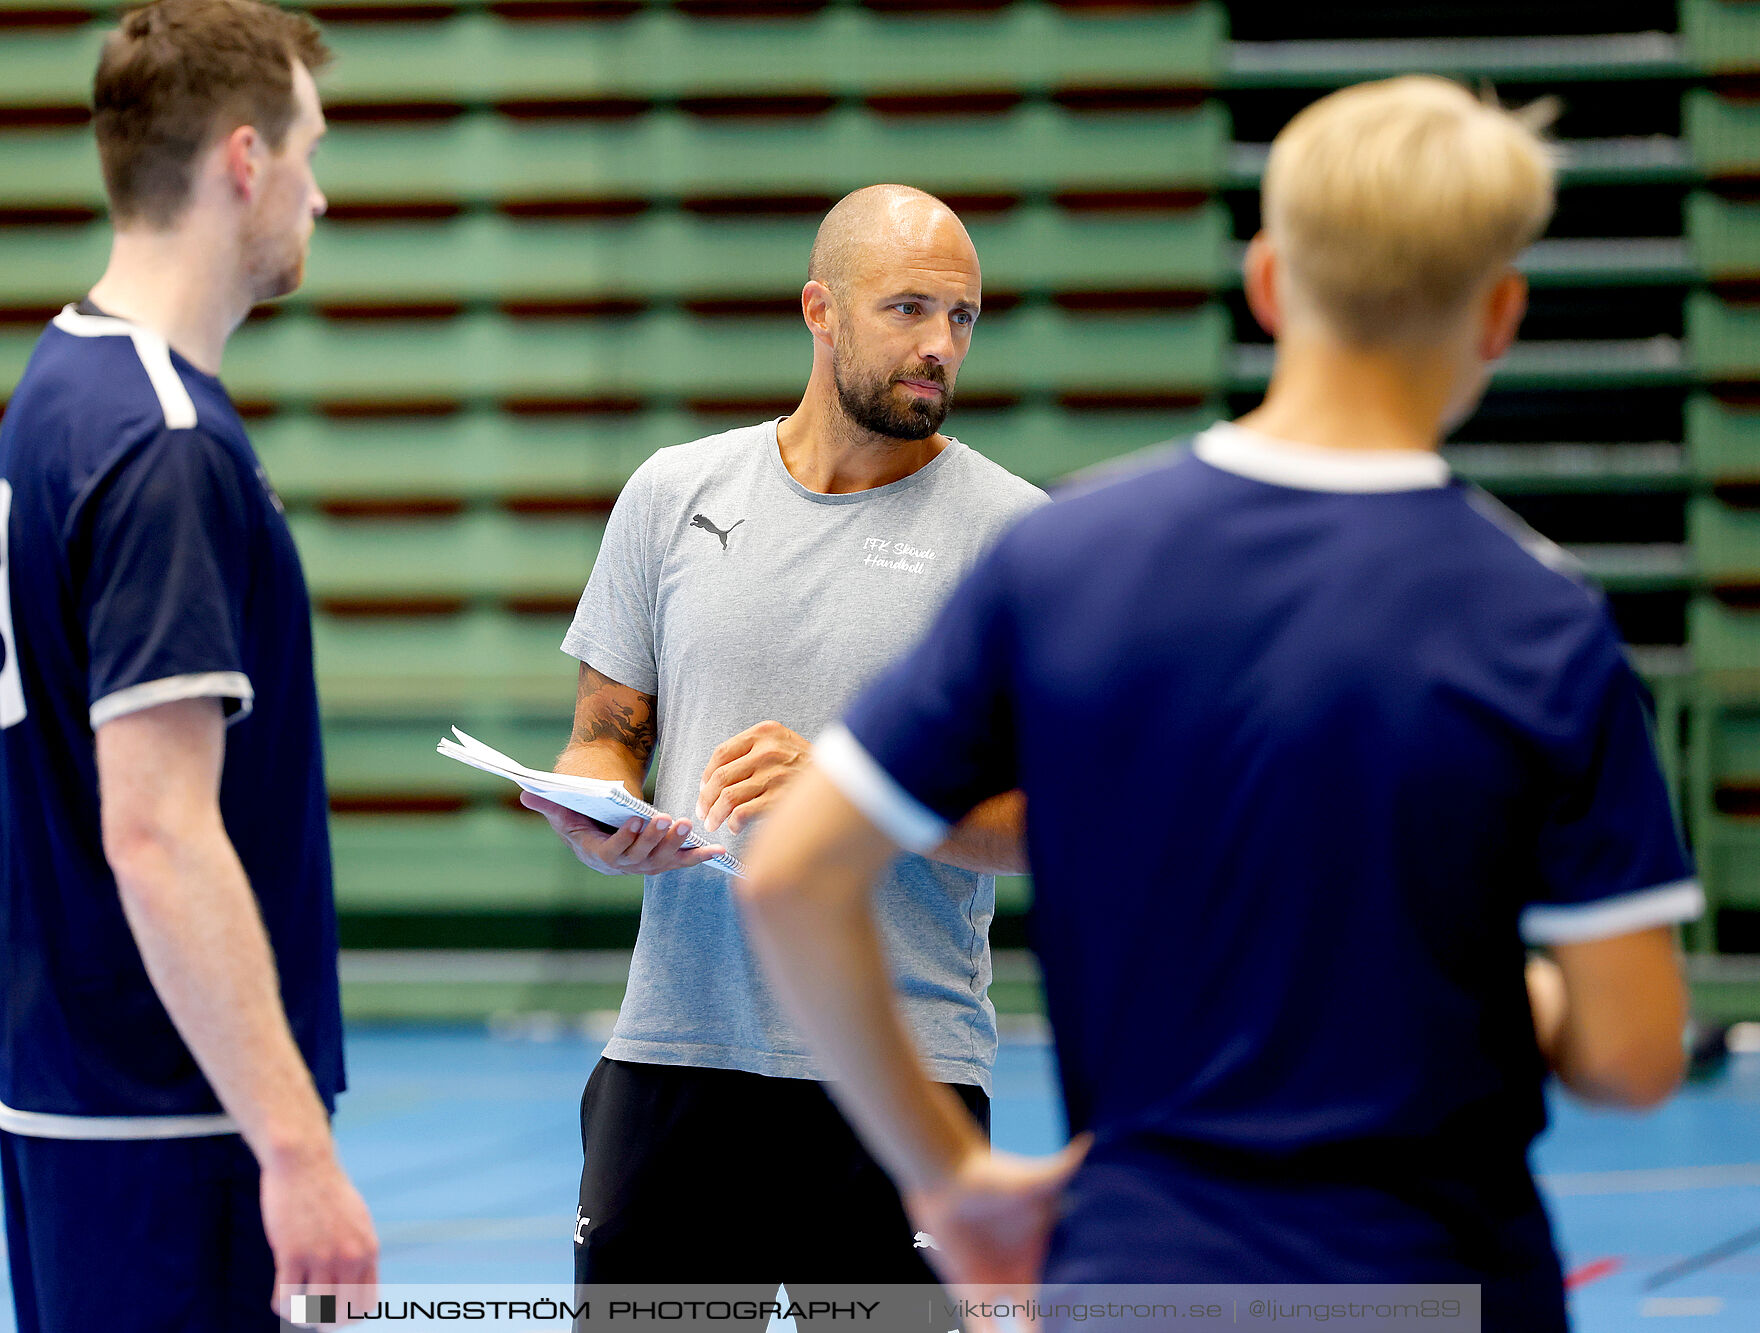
[602,799]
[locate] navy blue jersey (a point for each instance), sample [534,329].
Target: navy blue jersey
[145,560]
[1312,745]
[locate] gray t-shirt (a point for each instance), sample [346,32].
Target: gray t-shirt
[735,595]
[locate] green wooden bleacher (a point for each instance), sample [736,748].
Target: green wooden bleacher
[484,456]
[393,750]
[1722,457]
[1573,469]
[664,257]
[473,56]
[478,556]
[1725,541]
[1626,160]
[662,54]
[480,859]
[1723,444]
[420,501]
[481,455]
[1721,36]
[1322,64]
[1722,772]
[1706,701]
[493,261]
[1723,749]
[1723,441]
[485,159]
[49,67]
[670,357]
[560,244]
[1662,362]
[452,663]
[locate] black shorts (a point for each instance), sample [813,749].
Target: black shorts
[143,1235]
[714,1175]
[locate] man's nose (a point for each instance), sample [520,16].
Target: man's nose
[938,344]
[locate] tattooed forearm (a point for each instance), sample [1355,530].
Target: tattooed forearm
[607,711]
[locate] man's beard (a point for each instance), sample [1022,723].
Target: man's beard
[875,408]
[273,267]
[280,282]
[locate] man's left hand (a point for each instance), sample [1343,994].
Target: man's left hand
[746,773]
[991,1222]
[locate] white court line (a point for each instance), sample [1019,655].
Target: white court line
[439,1231]
[1675,1306]
[1654,1180]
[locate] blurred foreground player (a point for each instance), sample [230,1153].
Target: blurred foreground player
[1368,738]
[172,1031]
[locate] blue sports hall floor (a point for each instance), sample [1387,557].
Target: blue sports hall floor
[466,1145]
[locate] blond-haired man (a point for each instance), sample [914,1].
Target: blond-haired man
[1375,740]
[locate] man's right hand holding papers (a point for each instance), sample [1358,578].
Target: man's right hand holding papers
[634,848]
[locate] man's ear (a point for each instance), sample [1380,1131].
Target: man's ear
[1505,304]
[1260,274]
[241,154]
[819,310]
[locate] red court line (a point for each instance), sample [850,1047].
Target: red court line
[1592,1272]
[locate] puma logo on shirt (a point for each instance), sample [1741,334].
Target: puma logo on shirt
[698,521]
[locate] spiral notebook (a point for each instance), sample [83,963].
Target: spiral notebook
[602,799]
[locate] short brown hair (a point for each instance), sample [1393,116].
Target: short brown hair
[179,72]
[1390,202]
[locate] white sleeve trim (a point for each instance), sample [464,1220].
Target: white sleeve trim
[874,791]
[42,1125]
[1663,905]
[233,685]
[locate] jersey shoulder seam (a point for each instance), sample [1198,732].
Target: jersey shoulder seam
[118,458]
[1542,550]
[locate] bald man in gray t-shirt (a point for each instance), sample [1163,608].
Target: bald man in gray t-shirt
[748,585]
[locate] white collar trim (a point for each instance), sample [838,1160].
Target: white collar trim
[155,354]
[1313,467]
[81,325]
